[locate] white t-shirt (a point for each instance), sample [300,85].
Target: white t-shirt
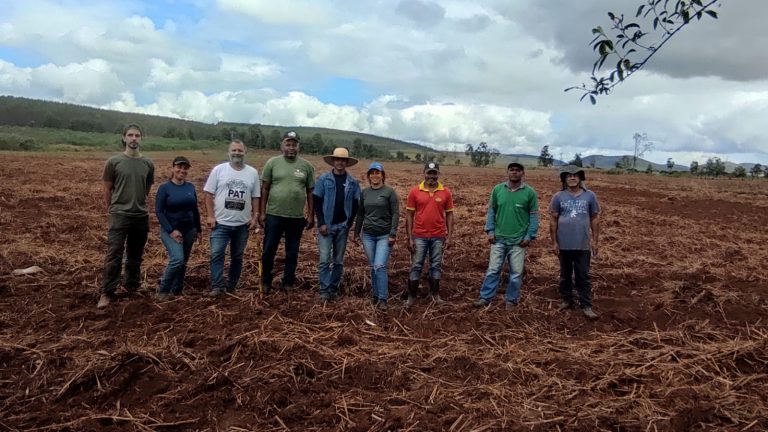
[232,191]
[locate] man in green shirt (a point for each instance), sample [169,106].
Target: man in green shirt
[127,180]
[286,187]
[512,224]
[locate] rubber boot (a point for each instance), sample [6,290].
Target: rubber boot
[413,288]
[434,291]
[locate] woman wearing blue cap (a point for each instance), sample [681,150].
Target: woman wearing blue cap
[179,217]
[377,218]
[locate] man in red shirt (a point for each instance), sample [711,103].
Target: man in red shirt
[429,225]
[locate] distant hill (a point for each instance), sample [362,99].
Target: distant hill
[607,162]
[33,113]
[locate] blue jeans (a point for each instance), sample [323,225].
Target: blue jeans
[237,238]
[331,248]
[427,246]
[377,251]
[126,234]
[274,228]
[178,255]
[501,252]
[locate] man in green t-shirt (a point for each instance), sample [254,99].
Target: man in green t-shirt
[512,224]
[286,188]
[127,177]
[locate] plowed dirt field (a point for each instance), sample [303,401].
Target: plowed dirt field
[682,342]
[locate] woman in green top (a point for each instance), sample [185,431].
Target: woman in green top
[377,218]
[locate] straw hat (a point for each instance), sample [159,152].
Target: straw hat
[342,153]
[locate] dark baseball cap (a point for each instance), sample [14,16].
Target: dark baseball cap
[178,160]
[291,135]
[432,166]
[516,165]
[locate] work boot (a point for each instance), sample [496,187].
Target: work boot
[413,288]
[589,313]
[104,301]
[481,303]
[162,296]
[510,306]
[434,291]
[564,305]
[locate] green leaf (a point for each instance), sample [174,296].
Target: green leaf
[655,23]
[611,16]
[592,99]
[603,50]
[639,10]
[631,25]
[686,16]
[713,14]
[697,3]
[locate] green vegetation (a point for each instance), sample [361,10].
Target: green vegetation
[546,158]
[29,124]
[628,48]
[481,155]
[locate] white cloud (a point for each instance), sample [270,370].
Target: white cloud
[439,72]
[288,12]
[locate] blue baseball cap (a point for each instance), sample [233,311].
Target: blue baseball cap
[375,166]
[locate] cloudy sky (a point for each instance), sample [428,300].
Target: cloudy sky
[438,72]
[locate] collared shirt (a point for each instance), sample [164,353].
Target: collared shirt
[430,208]
[327,192]
[513,213]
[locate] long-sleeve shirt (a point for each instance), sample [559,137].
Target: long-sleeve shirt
[513,213]
[176,207]
[378,212]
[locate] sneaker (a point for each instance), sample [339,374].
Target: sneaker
[510,306]
[381,306]
[162,296]
[481,303]
[410,302]
[215,293]
[104,301]
[564,305]
[589,313]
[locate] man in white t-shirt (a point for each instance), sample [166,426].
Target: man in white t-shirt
[232,195]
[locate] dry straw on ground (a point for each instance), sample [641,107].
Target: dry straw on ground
[681,344]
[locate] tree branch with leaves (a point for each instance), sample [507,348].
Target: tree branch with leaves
[626,43]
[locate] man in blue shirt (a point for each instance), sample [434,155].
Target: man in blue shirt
[336,196]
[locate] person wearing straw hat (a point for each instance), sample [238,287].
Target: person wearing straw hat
[376,224]
[429,224]
[575,212]
[232,194]
[336,198]
[512,223]
[127,177]
[287,183]
[179,217]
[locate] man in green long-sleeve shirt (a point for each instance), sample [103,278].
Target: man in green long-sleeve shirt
[512,224]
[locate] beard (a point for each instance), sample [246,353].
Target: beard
[236,159]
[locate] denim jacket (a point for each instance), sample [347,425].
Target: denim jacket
[325,188]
